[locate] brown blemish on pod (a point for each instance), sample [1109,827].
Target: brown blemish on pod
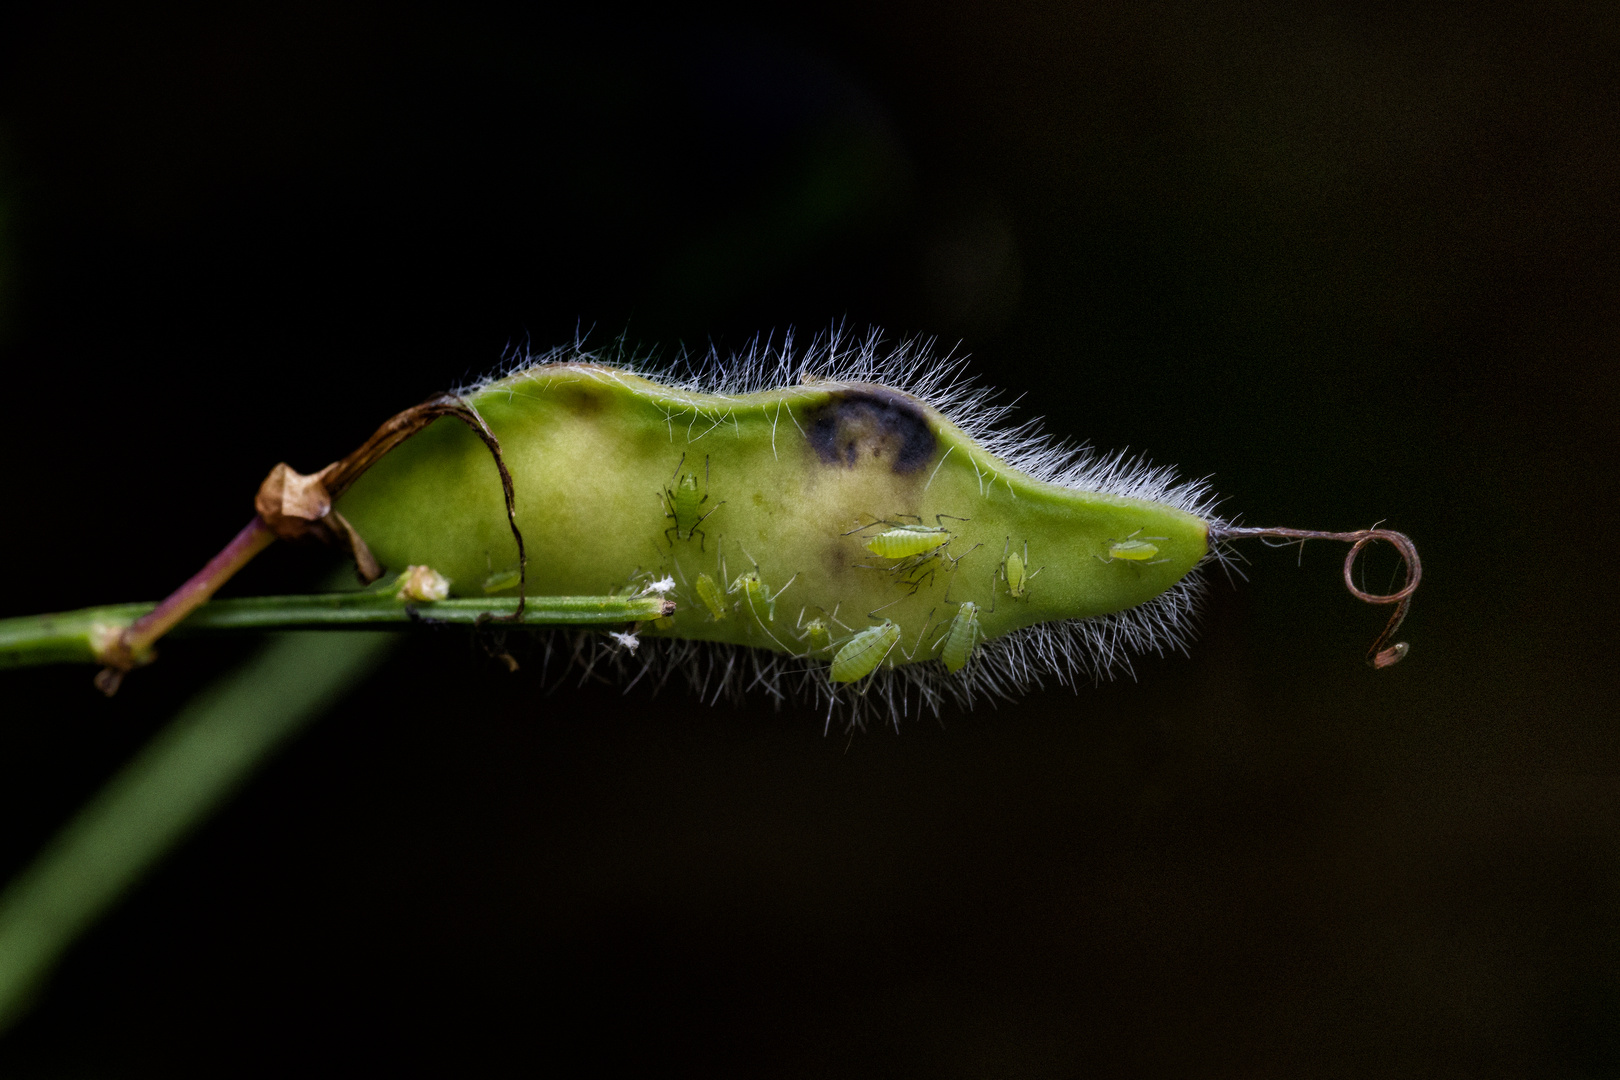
[871,422]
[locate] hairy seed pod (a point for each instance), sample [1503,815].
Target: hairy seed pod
[861,654]
[791,472]
[961,637]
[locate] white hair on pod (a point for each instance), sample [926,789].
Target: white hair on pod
[1070,651]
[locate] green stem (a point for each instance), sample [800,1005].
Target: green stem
[74,637]
[168,789]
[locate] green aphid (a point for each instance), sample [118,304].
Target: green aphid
[817,637]
[1015,571]
[861,654]
[684,504]
[501,580]
[908,541]
[1134,548]
[961,637]
[712,597]
[760,602]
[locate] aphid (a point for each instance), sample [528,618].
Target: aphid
[684,504]
[501,580]
[1014,570]
[755,596]
[961,637]
[1135,550]
[712,597]
[907,541]
[861,654]
[817,637]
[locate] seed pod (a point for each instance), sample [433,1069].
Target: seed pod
[806,456]
[584,442]
[862,653]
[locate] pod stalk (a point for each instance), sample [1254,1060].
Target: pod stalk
[1379,655]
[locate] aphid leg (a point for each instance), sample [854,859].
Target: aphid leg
[955,561]
[927,619]
[874,612]
[874,523]
[834,617]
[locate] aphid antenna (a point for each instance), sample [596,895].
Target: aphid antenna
[873,613]
[784,588]
[1380,654]
[750,557]
[956,559]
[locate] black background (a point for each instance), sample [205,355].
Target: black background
[1355,261]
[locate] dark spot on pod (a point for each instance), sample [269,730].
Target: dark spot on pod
[876,422]
[583,400]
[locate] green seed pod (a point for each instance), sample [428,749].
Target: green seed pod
[803,459]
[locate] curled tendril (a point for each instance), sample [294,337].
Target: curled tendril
[1380,655]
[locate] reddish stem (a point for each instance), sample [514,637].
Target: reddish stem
[127,651]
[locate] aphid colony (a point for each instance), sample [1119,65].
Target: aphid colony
[802,507]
